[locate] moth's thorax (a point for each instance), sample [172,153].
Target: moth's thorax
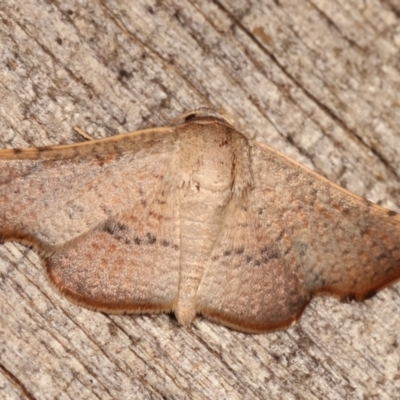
[207,156]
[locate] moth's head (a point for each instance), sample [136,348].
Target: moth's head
[203,114]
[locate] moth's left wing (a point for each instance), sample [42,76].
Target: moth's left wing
[51,195]
[129,263]
[103,216]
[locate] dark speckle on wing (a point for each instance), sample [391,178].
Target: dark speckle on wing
[151,238]
[114,228]
[269,253]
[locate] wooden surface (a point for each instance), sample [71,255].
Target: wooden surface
[317,79]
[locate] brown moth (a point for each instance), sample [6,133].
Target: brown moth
[194,218]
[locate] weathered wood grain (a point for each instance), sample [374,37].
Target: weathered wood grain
[317,79]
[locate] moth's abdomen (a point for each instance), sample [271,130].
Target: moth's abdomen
[201,214]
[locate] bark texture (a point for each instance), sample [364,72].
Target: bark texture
[317,79]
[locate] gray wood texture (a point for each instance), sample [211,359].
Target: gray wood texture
[318,80]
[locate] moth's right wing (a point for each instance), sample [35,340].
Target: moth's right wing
[248,284]
[294,236]
[338,243]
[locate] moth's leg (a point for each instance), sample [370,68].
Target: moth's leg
[83,134]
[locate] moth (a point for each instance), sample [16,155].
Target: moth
[194,218]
